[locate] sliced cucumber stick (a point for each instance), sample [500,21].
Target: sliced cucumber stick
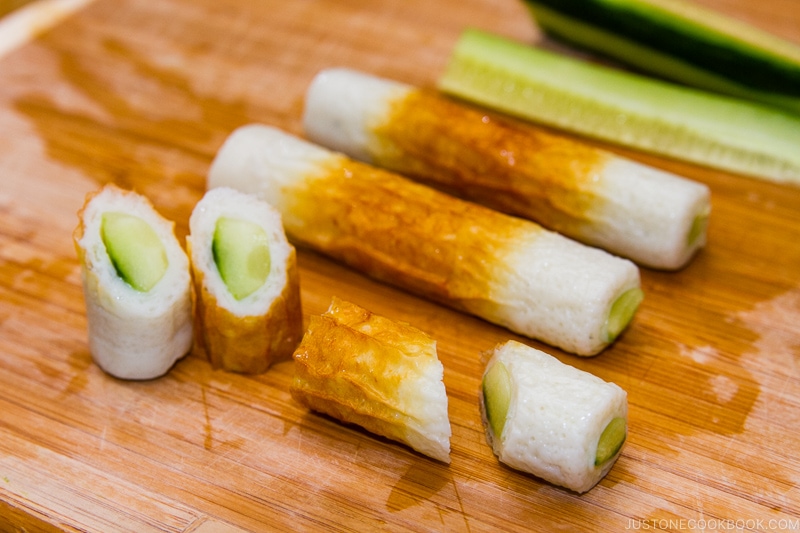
[241,252]
[135,250]
[620,107]
[683,42]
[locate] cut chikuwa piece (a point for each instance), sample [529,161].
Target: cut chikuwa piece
[507,270]
[655,218]
[380,374]
[550,419]
[248,310]
[136,283]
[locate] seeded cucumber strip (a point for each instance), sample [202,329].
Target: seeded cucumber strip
[138,255]
[620,107]
[682,42]
[241,252]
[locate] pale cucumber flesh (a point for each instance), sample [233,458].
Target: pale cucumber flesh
[138,255]
[496,397]
[697,229]
[622,311]
[611,440]
[242,255]
[624,108]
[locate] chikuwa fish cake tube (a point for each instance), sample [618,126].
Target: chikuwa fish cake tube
[384,375]
[248,311]
[506,270]
[655,218]
[550,419]
[136,283]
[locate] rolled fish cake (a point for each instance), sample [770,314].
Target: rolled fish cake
[655,218]
[506,270]
[380,374]
[136,283]
[549,419]
[248,312]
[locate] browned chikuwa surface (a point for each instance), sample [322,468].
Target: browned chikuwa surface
[142,94]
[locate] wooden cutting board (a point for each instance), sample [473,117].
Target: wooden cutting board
[142,94]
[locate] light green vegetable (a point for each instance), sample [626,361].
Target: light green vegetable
[698,228]
[241,252]
[611,440]
[496,397]
[683,42]
[622,311]
[620,107]
[135,250]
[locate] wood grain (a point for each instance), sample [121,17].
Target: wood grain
[142,94]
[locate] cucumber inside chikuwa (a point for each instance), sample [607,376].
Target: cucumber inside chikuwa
[682,42]
[624,108]
[496,397]
[622,311]
[698,228]
[611,440]
[135,250]
[241,252]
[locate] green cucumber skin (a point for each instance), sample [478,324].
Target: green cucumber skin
[684,50]
[624,108]
[654,61]
[690,41]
